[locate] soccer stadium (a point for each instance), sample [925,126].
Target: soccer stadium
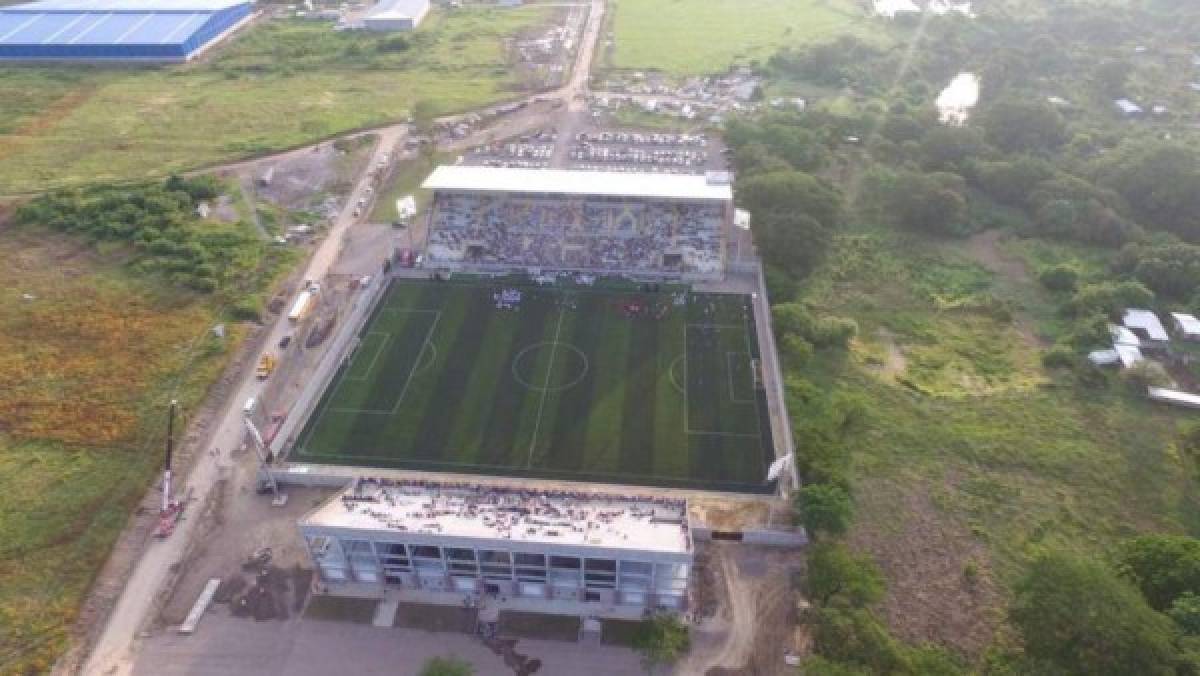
[116,30]
[563,382]
[555,333]
[671,226]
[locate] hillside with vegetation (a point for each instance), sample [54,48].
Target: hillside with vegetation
[976,489]
[110,297]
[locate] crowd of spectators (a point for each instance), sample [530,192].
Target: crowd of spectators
[596,233]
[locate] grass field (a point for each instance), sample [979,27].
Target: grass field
[284,83]
[87,360]
[969,458]
[696,37]
[566,386]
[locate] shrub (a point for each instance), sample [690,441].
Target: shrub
[1061,277]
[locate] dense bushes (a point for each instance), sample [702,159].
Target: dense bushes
[158,221]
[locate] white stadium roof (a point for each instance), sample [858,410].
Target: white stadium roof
[566,182]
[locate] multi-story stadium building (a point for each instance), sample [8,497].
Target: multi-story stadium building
[116,30]
[604,555]
[543,220]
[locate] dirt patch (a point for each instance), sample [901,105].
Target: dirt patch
[47,119]
[752,624]
[940,586]
[894,362]
[733,514]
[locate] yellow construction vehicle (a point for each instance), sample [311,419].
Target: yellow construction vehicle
[266,364]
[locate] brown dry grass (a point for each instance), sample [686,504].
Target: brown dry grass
[927,556]
[76,356]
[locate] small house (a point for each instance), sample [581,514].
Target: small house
[1148,328]
[1128,108]
[1186,326]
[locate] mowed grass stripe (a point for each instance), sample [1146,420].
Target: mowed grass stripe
[641,381]
[603,434]
[464,344]
[492,364]
[565,448]
[670,440]
[500,437]
[390,381]
[536,401]
[399,433]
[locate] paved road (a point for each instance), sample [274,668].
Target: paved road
[116,647]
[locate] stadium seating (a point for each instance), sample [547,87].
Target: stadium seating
[612,235]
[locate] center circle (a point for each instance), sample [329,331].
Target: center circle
[564,358]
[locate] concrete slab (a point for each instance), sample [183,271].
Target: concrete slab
[385,613]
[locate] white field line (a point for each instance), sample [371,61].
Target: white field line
[411,370]
[537,425]
[387,336]
[729,371]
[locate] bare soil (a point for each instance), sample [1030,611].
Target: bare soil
[745,625]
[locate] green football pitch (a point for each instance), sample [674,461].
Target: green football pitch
[581,384]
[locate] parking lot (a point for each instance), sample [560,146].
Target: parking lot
[600,149]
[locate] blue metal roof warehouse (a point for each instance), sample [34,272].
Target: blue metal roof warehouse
[118,30]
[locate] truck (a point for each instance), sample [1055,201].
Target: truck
[302,305]
[266,364]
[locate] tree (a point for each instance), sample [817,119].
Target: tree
[1185,610]
[662,640]
[932,203]
[1161,182]
[794,216]
[837,576]
[1012,182]
[1163,567]
[856,636]
[424,113]
[950,148]
[1059,277]
[1079,616]
[1109,298]
[1023,126]
[824,509]
[447,666]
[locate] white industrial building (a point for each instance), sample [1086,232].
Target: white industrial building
[396,15]
[604,555]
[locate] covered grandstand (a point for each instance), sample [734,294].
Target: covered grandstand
[652,225]
[116,30]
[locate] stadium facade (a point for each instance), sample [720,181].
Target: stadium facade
[116,30]
[603,555]
[545,220]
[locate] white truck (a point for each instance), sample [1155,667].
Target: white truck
[303,303]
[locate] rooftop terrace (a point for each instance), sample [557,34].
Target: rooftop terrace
[486,512]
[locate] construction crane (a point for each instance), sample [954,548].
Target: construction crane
[266,480]
[171,510]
